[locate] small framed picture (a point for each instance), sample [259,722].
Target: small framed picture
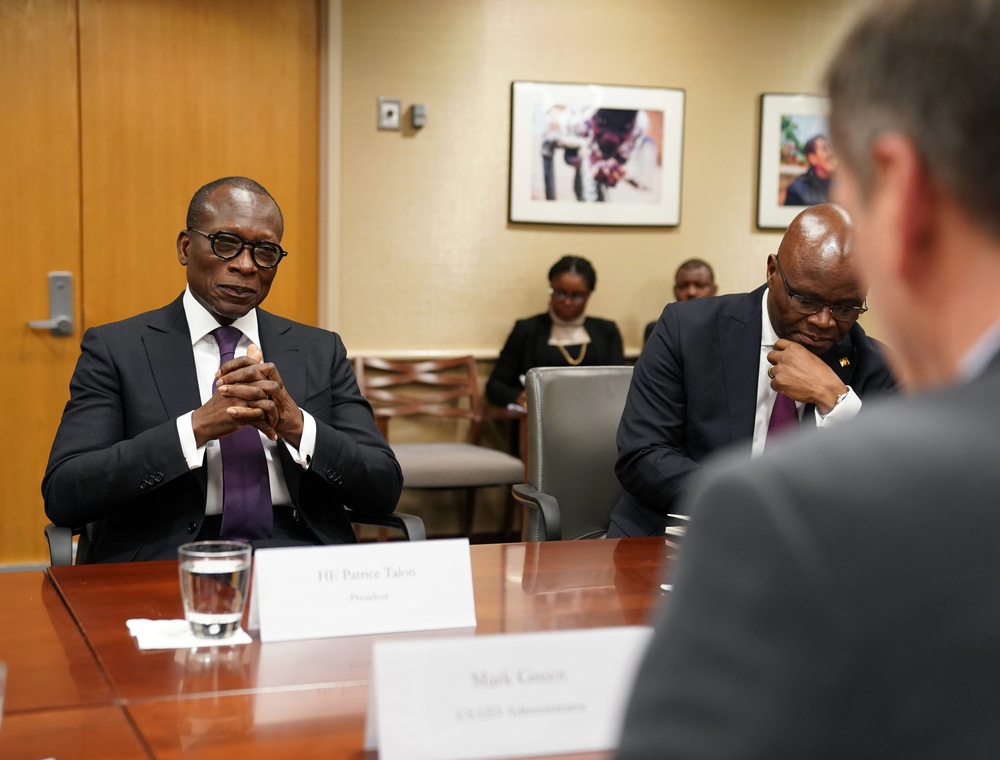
[796,160]
[595,154]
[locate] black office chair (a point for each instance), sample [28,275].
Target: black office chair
[573,415]
[60,539]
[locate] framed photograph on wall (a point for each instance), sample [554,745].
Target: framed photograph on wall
[595,154]
[796,162]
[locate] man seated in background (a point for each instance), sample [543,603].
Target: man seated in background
[715,369]
[160,445]
[838,598]
[693,279]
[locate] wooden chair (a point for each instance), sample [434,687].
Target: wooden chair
[446,390]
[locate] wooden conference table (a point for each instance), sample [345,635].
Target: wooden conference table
[79,687]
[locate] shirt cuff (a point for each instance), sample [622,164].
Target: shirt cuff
[194,456]
[846,410]
[307,445]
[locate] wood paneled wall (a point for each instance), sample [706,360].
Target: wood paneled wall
[40,219]
[176,93]
[124,109]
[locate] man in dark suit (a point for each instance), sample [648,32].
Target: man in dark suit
[139,450]
[838,598]
[715,367]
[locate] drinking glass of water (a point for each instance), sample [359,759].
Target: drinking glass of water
[214,578]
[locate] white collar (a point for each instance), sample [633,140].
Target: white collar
[976,359]
[201,322]
[767,334]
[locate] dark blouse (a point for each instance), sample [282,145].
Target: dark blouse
[528,346]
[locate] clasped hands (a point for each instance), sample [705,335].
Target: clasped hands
[248,392]
[802,376]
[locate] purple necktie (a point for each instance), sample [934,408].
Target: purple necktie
[783,416]
[246,490]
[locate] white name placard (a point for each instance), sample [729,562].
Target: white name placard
[316,592]
[503,695]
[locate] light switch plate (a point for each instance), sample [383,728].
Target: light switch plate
[388,113]
[418,115]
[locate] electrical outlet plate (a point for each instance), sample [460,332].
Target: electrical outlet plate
[388,113]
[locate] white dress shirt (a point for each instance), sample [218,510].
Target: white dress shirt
[980,354]
[845,410]
[206,362]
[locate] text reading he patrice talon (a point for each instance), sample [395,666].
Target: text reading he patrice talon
[387,573]
[522,677]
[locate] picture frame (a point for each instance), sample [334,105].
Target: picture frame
[791,125]
[592,154]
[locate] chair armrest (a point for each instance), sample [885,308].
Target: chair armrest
[490,411]
[411,526]
[547,509]
[60,545]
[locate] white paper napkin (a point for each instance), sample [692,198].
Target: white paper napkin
[176,634]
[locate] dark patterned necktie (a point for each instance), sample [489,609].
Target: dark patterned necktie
[783,416]
[246,490]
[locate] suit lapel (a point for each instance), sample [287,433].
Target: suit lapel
[739,336]
[281,348]
[842,357]
[168,349]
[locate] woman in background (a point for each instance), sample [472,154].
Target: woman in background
[561,337]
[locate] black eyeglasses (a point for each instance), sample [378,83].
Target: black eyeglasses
[227,245]
[562,295]
[804,305]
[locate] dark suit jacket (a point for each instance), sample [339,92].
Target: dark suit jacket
[528,346]
[838,597]
[647,332]
[116,459]
[694,391]
[808,189]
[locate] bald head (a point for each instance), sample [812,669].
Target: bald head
[813,267]
[819,235]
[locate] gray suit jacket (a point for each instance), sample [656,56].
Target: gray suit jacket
[694,392]
[116,459]
[838,598]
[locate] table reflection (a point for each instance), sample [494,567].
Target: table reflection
[562,585]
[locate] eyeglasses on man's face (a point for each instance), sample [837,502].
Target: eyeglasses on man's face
[804,305]
[564,295]
[228,245]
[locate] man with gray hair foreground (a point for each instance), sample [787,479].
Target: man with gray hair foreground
[818,615]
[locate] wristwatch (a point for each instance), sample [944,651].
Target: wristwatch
[842,396]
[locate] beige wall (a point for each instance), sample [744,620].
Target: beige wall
[428,260]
